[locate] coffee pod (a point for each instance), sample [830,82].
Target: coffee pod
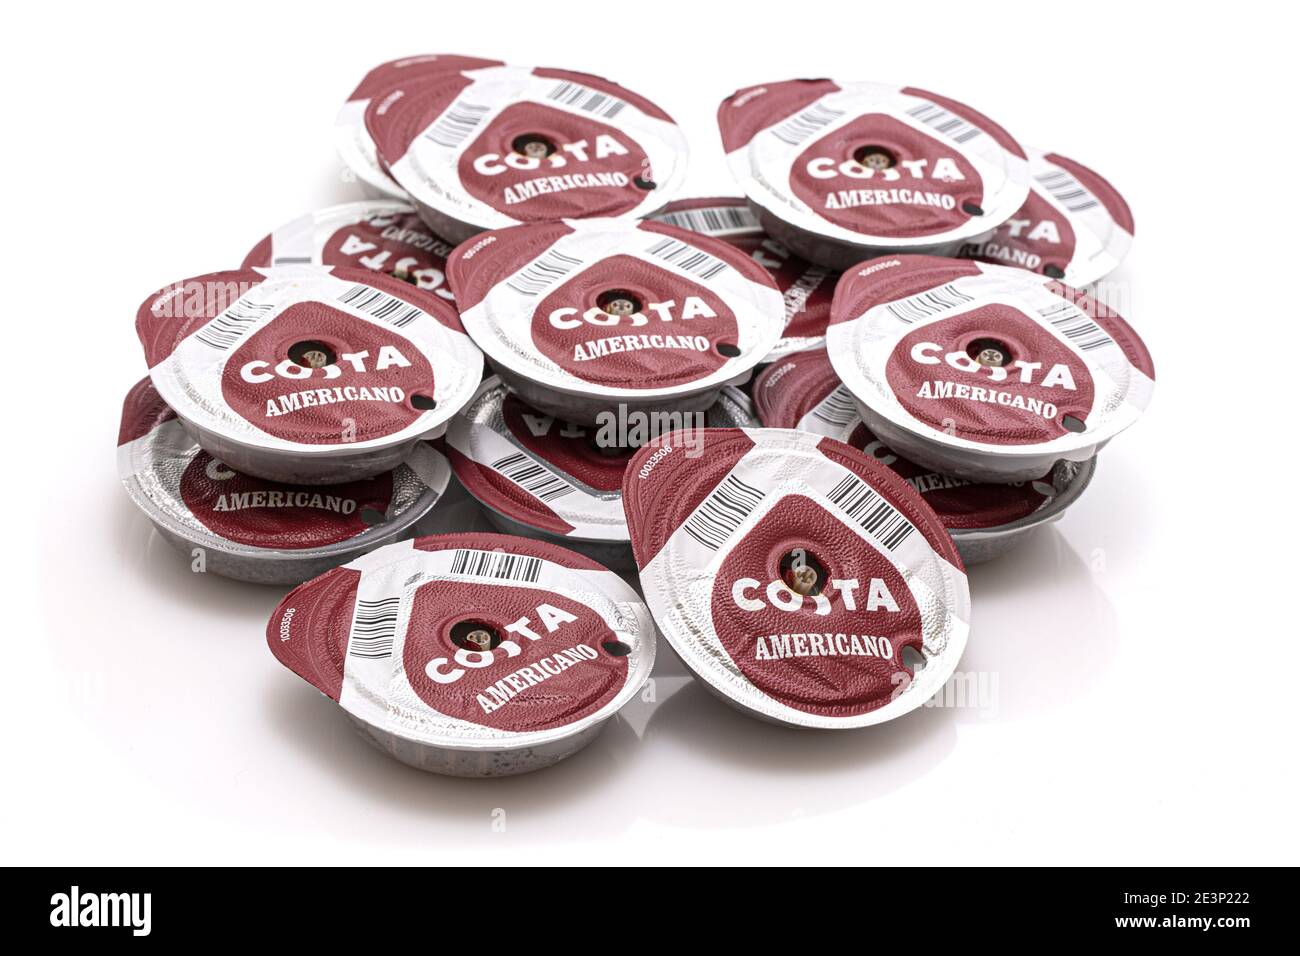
[249,529]
[384,235]
[1074,226]
[806,288]
[307,374]
[841,172]
[800,580]
[475,655]
[541,477]
[985,520]
[493,147]
[352,139]
[591,317]
[984,372]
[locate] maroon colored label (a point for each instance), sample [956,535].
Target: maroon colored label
[807,289]
[409,67]
[569,448]
[1100,187]
[1037,238]
[268,514]
[930,187]
[746,112]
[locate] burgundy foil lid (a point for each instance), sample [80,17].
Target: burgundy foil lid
[190,493]
[501,145]
[614,308]
[384,235]
[802,391]
[871,163]
[308,359]
[791,573]
[352,140]
[987,358]
[806,289]
[469,640]
[1074,225]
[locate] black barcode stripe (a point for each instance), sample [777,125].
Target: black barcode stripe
[687,258]
[930,303]
[1067,190]
[456,125]
[837,408]
[722,511]
[536,479]
[711,220]
[872,513]
[374,628]
[806,124]
[496,564]
[381,305]
[543,272]
[1075,325]
[586,99]
[942,121]
[230,326]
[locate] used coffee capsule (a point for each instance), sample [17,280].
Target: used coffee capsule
[475,655]
[985,520]
[800,580]
[840,172]
[545,478]
[605,316]
[307,374]
[351,138]
[381,234]
[1074,226]
[806,288]
[253,530]
[488,148]
[985,372]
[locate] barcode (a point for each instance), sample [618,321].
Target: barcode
[538,480]
[381,305]
[873,513]
[227,328]
[587,99]
[713,220]
[457,124]
[374,628]
[808,123]
[687,258]
[837,408]
[1075,325]
[928,304]
[545,271]
[1067,190]
[722,512]
[941,121]
[496,564]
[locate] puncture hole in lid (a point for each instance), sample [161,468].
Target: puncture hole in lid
[912,658]
[371,516]
[475,635]
[618,302]
[874,157]
[617,648]
[1072,424]
[1053,272]
[532,145]
[989,352]
[642,183]
[728,349]
[423,402]
[803,573]
[311,354]
[972,209]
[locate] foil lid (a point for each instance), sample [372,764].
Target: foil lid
[469,641]
[871,164]
[802,391]
[616,309]
[985,361]
[1074,225]
[556,476]
[384,235]
[308,360]
[792,574]
[189,493]
[806,288]
[502,145]
[352,139]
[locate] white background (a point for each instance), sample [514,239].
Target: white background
[1144,649]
